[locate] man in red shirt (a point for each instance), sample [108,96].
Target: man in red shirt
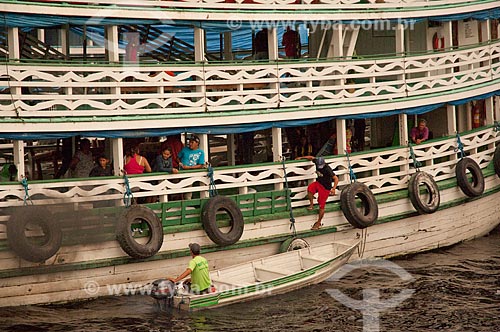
[291,41]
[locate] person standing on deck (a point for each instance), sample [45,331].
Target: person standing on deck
[200,281]
[291,42]
[323,186]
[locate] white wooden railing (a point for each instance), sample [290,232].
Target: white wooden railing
[277,4]
[382,170]
[93,90]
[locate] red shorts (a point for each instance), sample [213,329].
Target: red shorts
[323,194]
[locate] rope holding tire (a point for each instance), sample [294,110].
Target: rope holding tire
[422,205]
[29,247]
[209,220]
[138,216]
[364,216]
[472,188]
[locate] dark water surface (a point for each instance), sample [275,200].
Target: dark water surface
[454,289]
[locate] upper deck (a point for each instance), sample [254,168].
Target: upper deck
[245,10]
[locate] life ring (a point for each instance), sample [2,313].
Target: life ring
[22,244]
[474,188]
[293,243]
[209,220]
[131,219]
[496,161]
[423,206]
[359,217]
[437,42]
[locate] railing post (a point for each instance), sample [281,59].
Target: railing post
[277,154]
[18,146]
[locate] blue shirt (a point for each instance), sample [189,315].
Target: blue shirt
[190,157]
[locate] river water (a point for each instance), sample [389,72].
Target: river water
[455,289]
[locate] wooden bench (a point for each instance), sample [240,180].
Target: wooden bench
[265,273]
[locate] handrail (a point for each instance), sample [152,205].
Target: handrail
[99,91]
[383,170]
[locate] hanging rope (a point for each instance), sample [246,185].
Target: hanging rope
[212,190]
[416,163]
[27,197]
[460,146]
[289,199]
[352,176]
[362,244]
[127,196]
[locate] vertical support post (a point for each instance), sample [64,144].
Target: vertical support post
[272,43]
[468,118]
[40,34]
[403,140]
[341,135]
[277,153]
[486,36]
[14,53]
[199,57]
[231,150]
[272,46]
[111,43]
[341,142]
[451,118]
[64,37]
[205,147]
[403,129]
[117,154]
[400,38]
[490,116]
[18,146]
[497,105]
[228,45]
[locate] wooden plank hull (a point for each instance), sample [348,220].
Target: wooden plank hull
[88,271]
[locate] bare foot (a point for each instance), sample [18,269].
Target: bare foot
[316,226]
[310,208]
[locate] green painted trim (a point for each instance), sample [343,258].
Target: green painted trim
[250,242]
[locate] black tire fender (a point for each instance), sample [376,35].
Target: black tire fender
[422,205]
[364,216]
[293,243]
[134,215]
[23,245]
[209,220]
[472,188]
[496,161]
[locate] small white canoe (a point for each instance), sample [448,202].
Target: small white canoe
[268,276]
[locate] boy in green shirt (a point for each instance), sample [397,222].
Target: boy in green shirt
[198,269]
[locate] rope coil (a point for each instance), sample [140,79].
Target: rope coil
[416,163]
[352,176]
[27,197]
[127,195]
[212,189]
[460,146]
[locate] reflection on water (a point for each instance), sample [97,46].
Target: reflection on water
[456,289]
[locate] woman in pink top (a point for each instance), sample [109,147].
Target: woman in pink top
[135,163]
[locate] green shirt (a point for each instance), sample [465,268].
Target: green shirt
[200,278]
